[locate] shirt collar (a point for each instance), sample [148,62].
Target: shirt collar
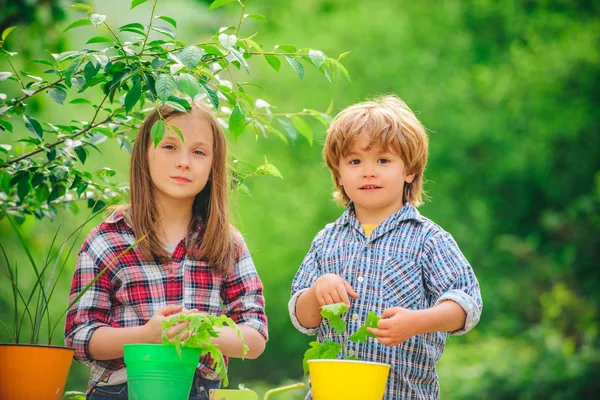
[117,216]
[408,212]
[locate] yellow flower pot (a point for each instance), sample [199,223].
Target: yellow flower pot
[347,379]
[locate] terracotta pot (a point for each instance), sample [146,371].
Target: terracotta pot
[33,371]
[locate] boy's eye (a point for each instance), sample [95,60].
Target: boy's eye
[198,152]
[354,162]
[383,161]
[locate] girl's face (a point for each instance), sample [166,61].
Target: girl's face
[180,169]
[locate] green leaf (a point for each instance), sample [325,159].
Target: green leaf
[168,19]
[157,132]
[23,187]
[136,3]
[269,169]
[164,30]
[105,172]
[72,69]
[332,313]
[191,56]
[273,61]
[289,128]
[219,3]
[97,19]
[317,57]
[134,25]
[78,23]
[227,41]
[33,126]
[7,32]
[81,6]
[132,97]
[296,65]
[5,75]
[165,86]
[259,17]
[237,122]
[5,148]
[81,154]
[177,131]
[188,85]
[42,193]
[361,334]
[287,48]
[99,39]
[321,351]
[343,55]
[5,125]
[303,128]
[58,94]
[212,95]
[80,100]
[341,68]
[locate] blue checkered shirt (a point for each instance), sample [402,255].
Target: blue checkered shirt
[408,261]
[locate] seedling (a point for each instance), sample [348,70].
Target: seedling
[202,329]
[330,349]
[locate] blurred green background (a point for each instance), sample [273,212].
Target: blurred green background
[510,94]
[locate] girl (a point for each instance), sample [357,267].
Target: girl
[190,259]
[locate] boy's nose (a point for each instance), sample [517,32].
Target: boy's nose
[368,172]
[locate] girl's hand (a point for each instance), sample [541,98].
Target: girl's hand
[396,325]
[153,328]
[331,289]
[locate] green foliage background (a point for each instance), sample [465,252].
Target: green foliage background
[509,93]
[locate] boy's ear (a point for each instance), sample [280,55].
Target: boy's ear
[409,178]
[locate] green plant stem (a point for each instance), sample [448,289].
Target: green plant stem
[243,4]
[73,136]
[149,25]
[16,73]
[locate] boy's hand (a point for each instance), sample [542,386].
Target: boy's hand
[153,328]
[396,325]
[331,289]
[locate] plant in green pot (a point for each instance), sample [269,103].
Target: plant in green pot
[31,367]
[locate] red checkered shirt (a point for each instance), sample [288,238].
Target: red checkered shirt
[133,289]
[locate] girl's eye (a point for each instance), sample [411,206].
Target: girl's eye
[169,147]
[354,162]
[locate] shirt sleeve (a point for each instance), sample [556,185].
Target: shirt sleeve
[92,311]
[242,293]
[449,276]
[307,274]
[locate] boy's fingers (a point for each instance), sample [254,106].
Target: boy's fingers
[329,299]
[343,295]
[377,332]
[350,291]
[389,312]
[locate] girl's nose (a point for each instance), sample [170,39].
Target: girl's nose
[183,163]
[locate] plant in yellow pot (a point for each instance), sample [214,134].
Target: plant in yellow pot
[336,375]
[31,367]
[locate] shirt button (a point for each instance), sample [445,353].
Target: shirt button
[351,353]
[355,316]
[360,279]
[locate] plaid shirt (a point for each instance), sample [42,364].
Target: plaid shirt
[132,290]
[408,261]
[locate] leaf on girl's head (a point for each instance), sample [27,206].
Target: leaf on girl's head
[332,313]
[321,351]
[361,334]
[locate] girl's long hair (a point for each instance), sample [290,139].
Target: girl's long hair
[210,237]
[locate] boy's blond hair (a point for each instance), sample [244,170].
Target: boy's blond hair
[393,127]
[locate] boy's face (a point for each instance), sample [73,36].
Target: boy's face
[374,180]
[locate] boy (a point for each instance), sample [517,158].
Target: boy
[382,255]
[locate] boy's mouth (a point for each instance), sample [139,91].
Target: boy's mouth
[369,187]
